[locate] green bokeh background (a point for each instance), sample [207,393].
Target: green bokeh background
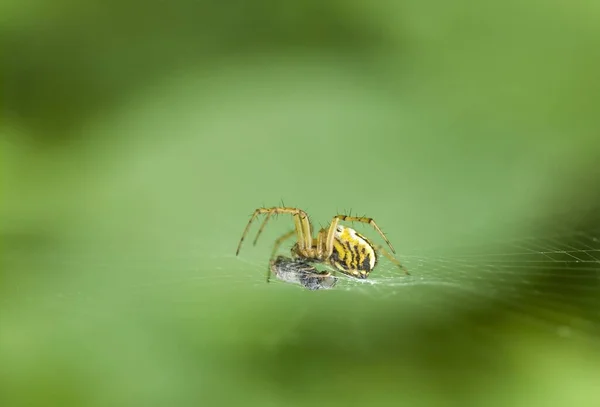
[137,138]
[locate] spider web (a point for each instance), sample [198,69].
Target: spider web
[517,261]
[549,277]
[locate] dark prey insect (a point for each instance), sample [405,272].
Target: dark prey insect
[300,272]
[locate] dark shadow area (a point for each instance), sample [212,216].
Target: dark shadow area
[87,59]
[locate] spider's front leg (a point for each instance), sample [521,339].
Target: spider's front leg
[301,222]
[370,221]
[336,220]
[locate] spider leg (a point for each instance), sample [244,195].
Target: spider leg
[391,258]
[254,215]
[261,228]
[303,227]
[307,229]
[321,243]
[329,237]
[361,219]
[276,245]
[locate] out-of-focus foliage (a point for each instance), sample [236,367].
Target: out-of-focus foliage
[137,137]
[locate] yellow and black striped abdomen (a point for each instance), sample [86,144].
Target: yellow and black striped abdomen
[352,254]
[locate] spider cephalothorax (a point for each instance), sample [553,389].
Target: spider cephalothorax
[338,246]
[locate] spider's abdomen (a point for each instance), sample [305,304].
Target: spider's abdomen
[352,254]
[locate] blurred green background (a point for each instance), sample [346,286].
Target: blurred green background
[138,137]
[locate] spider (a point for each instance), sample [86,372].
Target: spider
[339,246]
